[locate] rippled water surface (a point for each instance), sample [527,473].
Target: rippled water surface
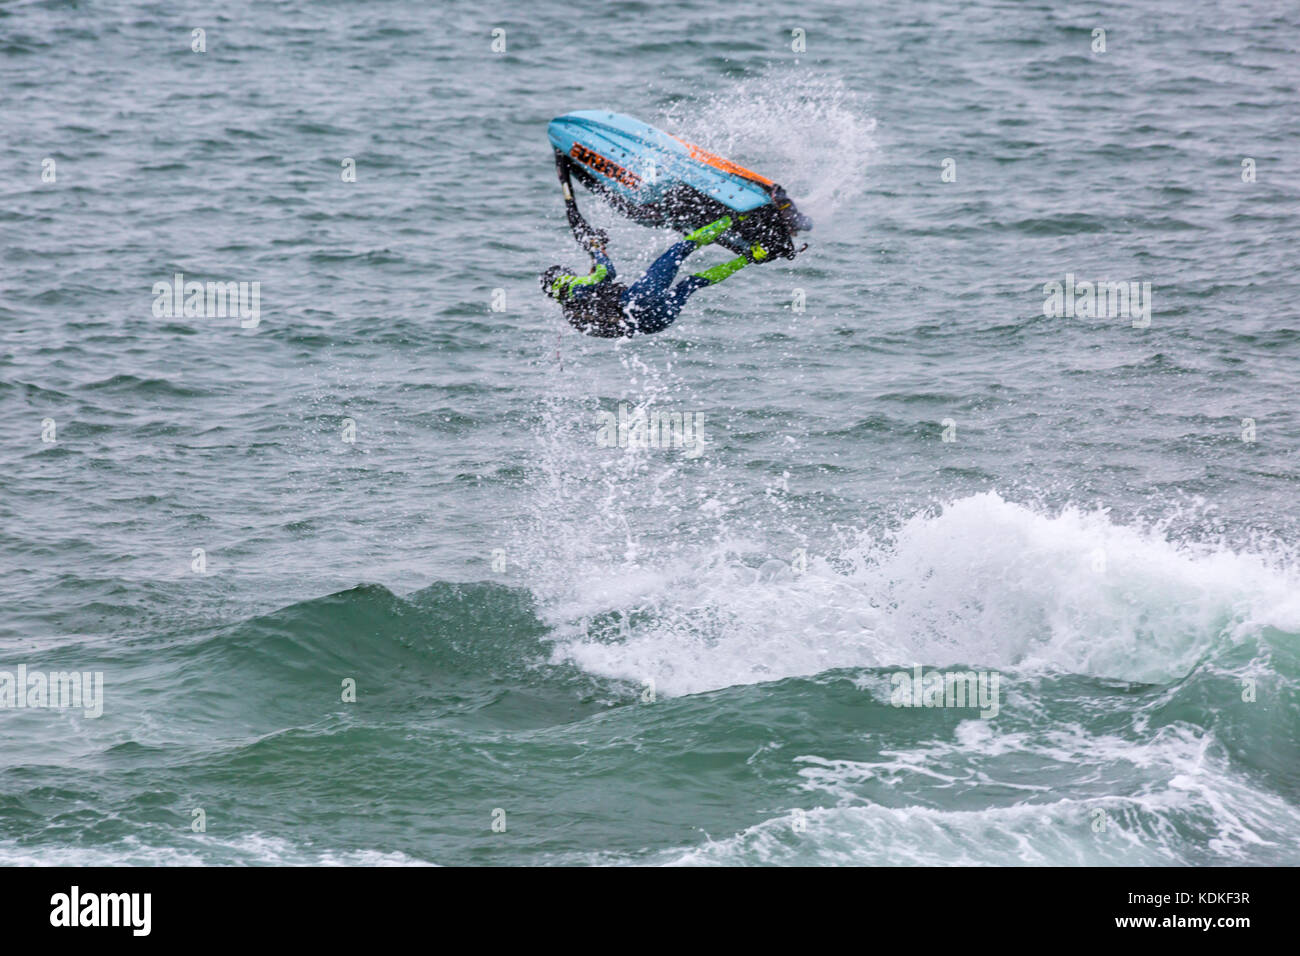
[651,655]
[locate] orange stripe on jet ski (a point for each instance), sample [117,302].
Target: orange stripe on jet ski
[726,165]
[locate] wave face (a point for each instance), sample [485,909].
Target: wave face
[366,584]
[749,718]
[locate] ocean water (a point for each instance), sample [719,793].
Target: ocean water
[569,653]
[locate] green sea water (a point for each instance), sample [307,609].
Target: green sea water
[365,586]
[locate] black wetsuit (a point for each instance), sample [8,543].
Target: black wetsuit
[597,305]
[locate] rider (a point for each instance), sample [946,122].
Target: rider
[597,305]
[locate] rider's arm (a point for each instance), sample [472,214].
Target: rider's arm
[603,262]
[602,271]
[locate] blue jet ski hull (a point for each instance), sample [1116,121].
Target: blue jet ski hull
[656,179]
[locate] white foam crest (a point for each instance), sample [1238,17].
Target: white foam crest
[985,582]
[999,583]
[254,849]
[1192,804]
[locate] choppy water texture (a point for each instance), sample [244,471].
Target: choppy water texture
[1100,533]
